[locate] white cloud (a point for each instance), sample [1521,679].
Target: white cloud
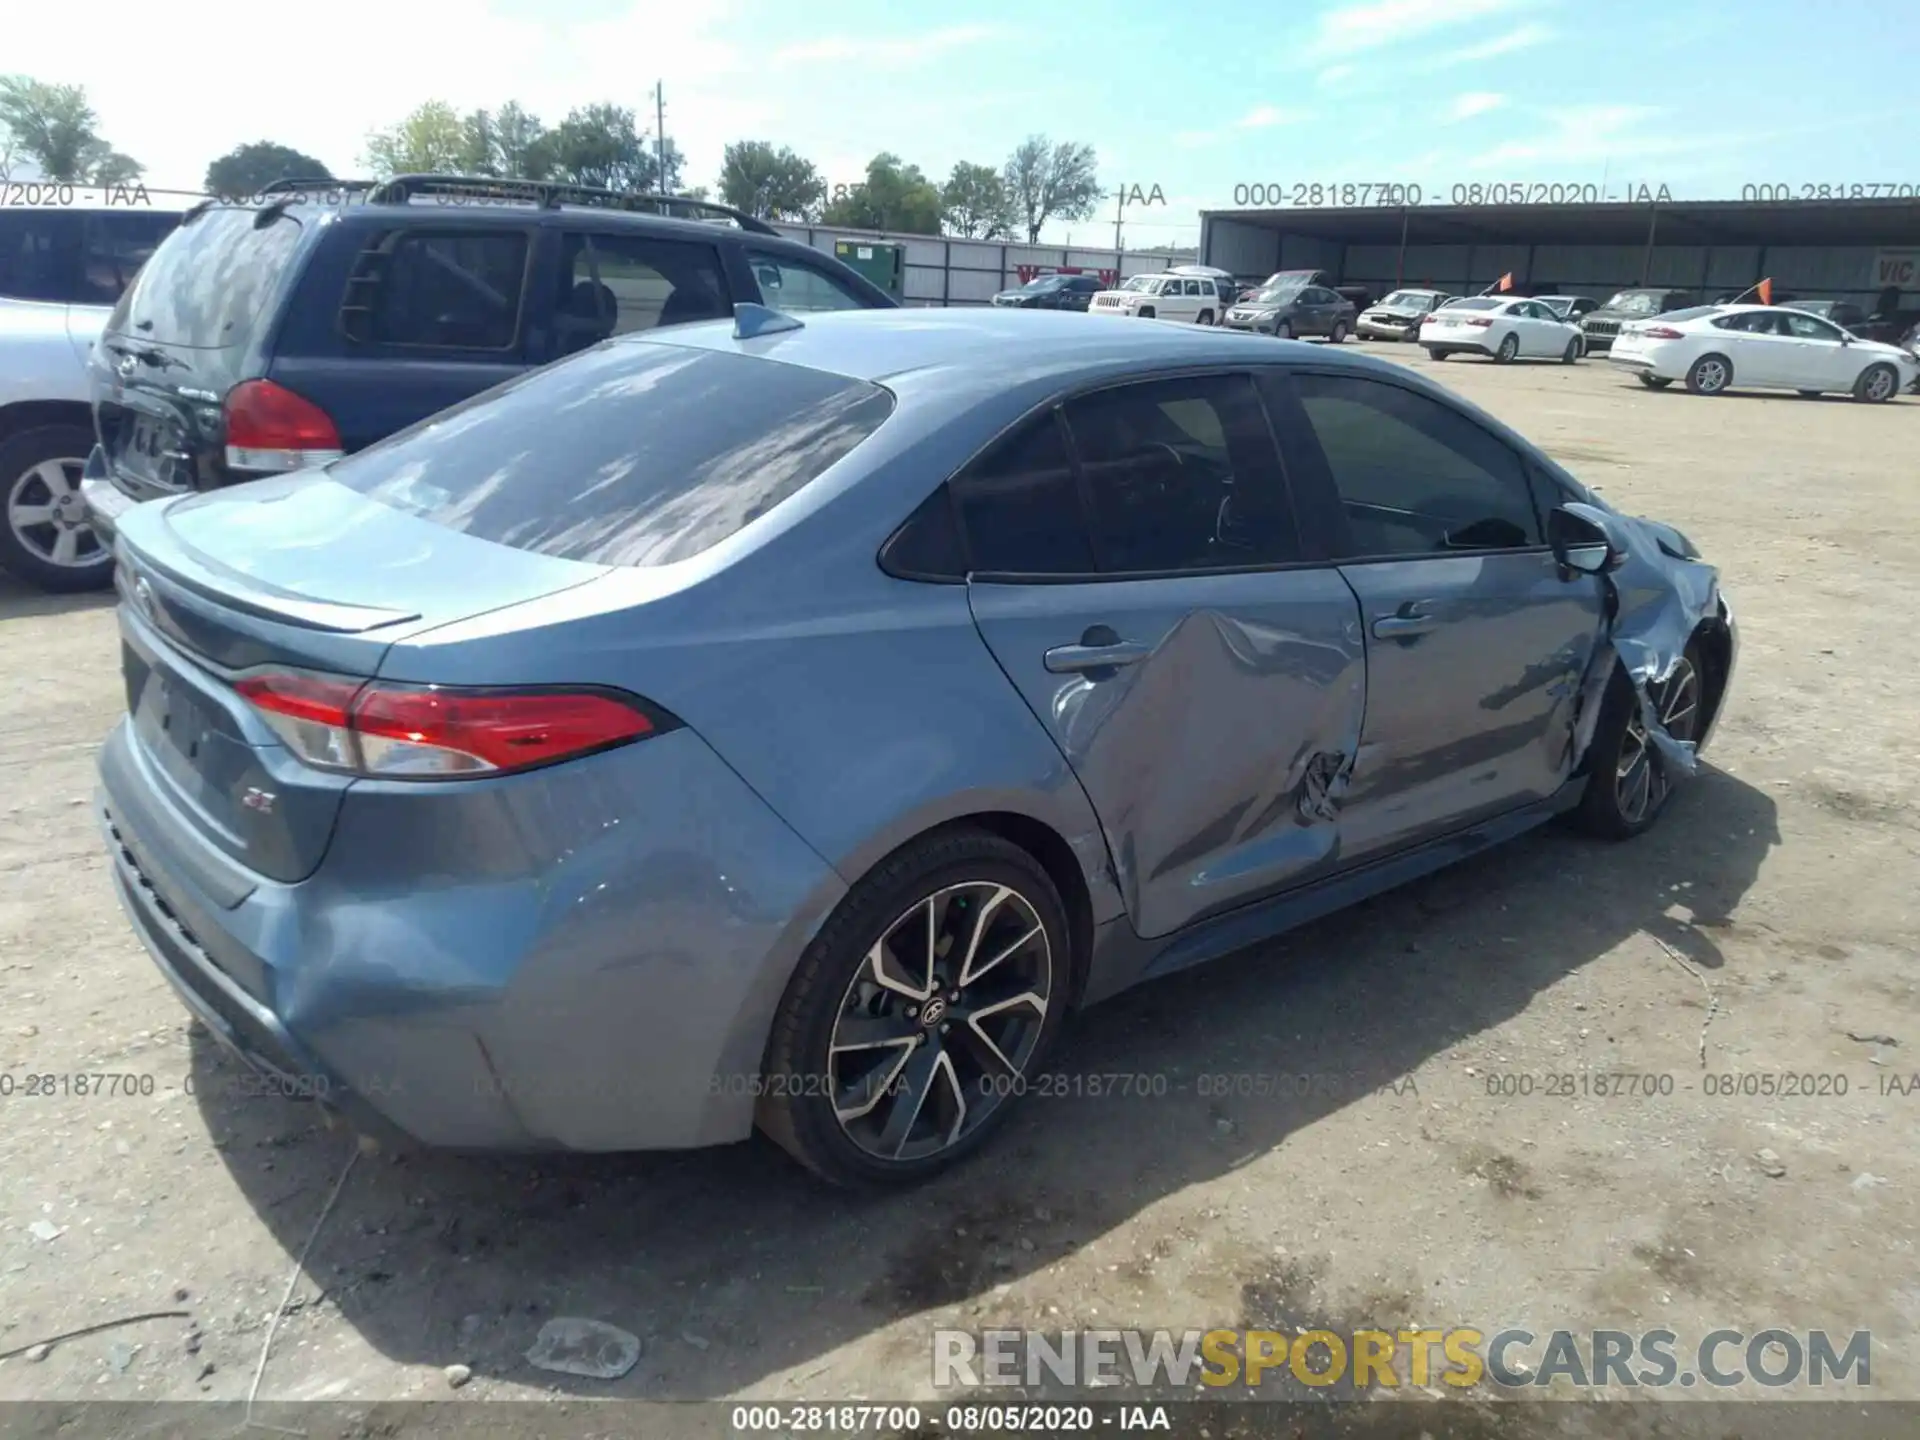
[1592,135]
[1477,102]
[1371,24]
[1521,37]
[1262,117]
[896,49]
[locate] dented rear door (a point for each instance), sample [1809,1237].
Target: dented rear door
[1205,684]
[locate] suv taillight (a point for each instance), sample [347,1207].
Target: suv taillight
[383,730]
[271,430]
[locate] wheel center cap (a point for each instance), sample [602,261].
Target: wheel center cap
[934,1012]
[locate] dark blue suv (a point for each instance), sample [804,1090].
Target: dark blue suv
[271,335]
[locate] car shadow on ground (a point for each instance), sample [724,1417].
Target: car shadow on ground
[19,600]
[733,1265]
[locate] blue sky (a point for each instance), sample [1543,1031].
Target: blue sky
[1700,95]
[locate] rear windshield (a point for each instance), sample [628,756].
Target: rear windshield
[208,282]
[632,453]
[1476,304]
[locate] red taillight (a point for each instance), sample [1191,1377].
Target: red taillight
[436,732]
[1480,322]
[271,429]
[1662,332]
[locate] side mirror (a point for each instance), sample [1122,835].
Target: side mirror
[1583,539]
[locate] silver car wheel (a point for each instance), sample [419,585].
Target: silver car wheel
[47,514]
[1880,384]
[937,1026]
[1640,781]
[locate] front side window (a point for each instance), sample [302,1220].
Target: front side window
[792,285]
[1802,326]
[637,454]
[1182,476]
[450,290]
[1414,476]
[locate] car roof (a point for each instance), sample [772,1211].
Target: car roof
[981,342]
[571,216]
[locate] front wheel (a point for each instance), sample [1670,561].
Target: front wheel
[1338,335]
[1283,330]
[1571,354]
[46,536]
[1146,312]
[913,1020]
[1877,384]
[1508,348]
[1627,781]
[1205,317]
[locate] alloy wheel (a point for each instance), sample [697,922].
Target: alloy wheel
[46,511]
[937,1026]
[1712,376]
[1880,384]
[1640,779]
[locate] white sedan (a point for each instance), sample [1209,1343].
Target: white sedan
[1713,348]
[1506,329]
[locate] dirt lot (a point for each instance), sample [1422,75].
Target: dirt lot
[1395,1191]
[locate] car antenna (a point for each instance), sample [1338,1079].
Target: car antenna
[751,321]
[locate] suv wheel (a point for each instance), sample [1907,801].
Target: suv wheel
[46,538]
[914,1018]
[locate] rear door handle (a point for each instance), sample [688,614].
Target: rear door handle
[1412,620]
[1073,659]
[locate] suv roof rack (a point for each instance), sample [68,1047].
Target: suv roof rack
[321,183]
[551,195]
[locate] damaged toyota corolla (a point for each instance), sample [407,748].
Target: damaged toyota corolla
[787,724]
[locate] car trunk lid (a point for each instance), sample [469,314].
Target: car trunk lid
[350,576]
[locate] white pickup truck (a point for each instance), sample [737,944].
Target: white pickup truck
[62,268]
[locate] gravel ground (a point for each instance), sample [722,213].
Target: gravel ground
[1768,923]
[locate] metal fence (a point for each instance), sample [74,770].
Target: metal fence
[942,271]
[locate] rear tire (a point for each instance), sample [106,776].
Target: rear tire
[1627,787]
[941,1097]
[1655,382]
[1506,350]
[1710,375]
[1877,385]
[45,536]
[1434,352]
[1205,317]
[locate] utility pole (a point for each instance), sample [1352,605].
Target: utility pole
[660,131]
[1119,209]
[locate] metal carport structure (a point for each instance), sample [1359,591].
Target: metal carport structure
[1841,249]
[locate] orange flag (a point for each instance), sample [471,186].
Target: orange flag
[1506,283]
[1765,287]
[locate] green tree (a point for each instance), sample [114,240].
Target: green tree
[895,197]
[520,146]
[55,127]
[974,203]
[1044,180]
[770,184]
[249,169]
[432,140]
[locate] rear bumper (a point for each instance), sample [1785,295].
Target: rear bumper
[522,966]
[104,500]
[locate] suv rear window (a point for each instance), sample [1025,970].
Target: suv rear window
[207,284]
[635,454]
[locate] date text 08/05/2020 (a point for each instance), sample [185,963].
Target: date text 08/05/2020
[1391,194]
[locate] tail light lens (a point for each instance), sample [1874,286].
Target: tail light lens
[435,732]
[1480,322]
[1660,332]
[271,430]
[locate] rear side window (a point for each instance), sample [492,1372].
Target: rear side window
[615,284]
[452,290]
[114,245]
[36,254]
[637,454]
[208,284]
[1020,506]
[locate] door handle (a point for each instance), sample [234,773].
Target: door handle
[1411,620]
[1073,659]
